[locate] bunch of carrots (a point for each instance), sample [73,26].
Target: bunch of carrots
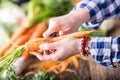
[27,32]
[22,35]
[56,66]
[33,45]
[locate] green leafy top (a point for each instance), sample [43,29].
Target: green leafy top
[41,75]
[93,34]
[42,10]
[8,59]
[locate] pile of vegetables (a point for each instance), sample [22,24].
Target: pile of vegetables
[27,37]
[9,22]
[33,45]
[30,27]
[44,9]
[41,75]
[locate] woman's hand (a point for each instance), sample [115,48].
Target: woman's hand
[63,23]
[65,48]
[67,23]
[60,50]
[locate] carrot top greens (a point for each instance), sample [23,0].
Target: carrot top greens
[9,58]
[42,10]
[40,75]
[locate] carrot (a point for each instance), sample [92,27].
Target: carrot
[62,66]
[24,59]
[33,44]
[20,31]
[22,39]
[55,66]
[76,1]
[75,61]
[43,65]
[75,35]
[40,28]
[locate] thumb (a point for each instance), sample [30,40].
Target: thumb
[61,33]
[53,27]
[47,33]
[47,46]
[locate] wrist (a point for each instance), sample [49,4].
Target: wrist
[85,46]
[81,15]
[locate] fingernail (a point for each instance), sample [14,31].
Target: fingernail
[32,53]
[41,46]
[44,35]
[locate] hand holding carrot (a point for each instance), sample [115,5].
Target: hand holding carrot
[59,50]
[65,48]
[67,23]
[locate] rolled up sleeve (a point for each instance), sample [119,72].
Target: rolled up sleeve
[105,50]
[99,10]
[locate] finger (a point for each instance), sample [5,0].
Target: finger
[48,46]
[53,27]
[41,57]
[52,50]
[51,57]
[38,55]
[61,33]
[47,57]
[60,55]
[57,55]
[48,32]
[47,52]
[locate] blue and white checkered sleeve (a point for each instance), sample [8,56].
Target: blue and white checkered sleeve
[105,50]
[99,10]
[116,49]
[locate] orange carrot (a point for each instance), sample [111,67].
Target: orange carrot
[33,44]
[56,66]
[77,1]
[40,28]
[75,35]
[75,62]
[21,40]
[20,31]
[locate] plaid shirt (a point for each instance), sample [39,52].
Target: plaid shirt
[99,10]
[105,50]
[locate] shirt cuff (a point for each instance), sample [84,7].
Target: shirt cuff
[116,50]
[100,49]
[92,8]
[96,18]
